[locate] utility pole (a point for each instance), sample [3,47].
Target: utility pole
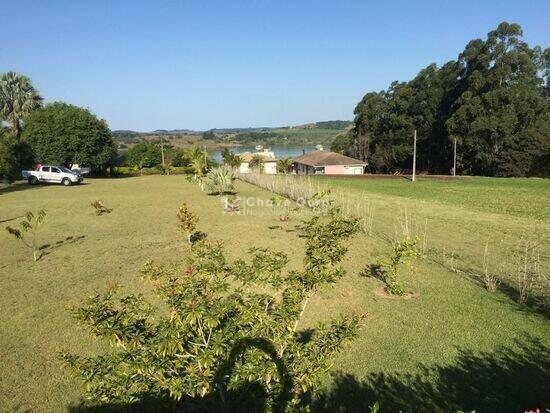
[454,161]
[414,158]
[162,149]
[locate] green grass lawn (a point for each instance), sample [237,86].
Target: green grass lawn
[454,345]
[520,197]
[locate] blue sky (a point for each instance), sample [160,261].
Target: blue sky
[205,64]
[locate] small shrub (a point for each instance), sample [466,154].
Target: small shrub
[221,180]
[29,226]
[100,207]
[284,205]
[528,274]
[163,169]
[387,270]
[187,221]
[490,280]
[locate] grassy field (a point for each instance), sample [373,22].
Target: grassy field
[315,135]
[519,197]
[455,345]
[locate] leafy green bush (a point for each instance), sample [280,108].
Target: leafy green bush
[229,336]
[121,171]
[144,154]
[387,270]
[181,170]
[149,171]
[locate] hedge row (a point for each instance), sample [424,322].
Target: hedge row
[158,170]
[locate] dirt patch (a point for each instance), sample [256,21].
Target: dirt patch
[381,292]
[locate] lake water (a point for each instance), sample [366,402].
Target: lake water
[280,150]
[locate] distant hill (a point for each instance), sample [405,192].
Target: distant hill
[310,133]
[329,124]
[123,132]
[334,124]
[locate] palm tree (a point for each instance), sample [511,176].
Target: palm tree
[231,159]
[284,165]
[198,159]
[256,162]
[18,98]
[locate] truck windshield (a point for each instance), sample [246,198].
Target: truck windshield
[66,170]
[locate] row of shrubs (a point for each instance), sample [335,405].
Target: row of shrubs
[122,171]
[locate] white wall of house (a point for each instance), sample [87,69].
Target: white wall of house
[270,168]
[353,170]
[243,168]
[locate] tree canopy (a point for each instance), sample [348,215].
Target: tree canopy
[493,100]
[144,154]
[65,134]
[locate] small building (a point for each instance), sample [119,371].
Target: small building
[327,163]
[269,162]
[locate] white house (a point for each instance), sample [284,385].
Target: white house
[269,162]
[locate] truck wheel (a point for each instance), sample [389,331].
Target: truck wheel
[66,182]
[33,180]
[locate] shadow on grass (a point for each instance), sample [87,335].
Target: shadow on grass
[508,380]
[49,248]
[19,186]
[24,186]
[511,379]
[532,304]
[222,193]
[198,236]
[11,219]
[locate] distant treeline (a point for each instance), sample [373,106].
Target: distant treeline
[493,101]
[334,124]
[239,135]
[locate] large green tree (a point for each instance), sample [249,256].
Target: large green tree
[15,154]
[65,134]
[18,98]
[501,117]
[8,164]
[493,102]
[144,154]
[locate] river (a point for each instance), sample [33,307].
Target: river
[280,150]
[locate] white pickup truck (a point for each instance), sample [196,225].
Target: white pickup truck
[52,174]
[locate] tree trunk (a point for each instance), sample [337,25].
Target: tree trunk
[15,127]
